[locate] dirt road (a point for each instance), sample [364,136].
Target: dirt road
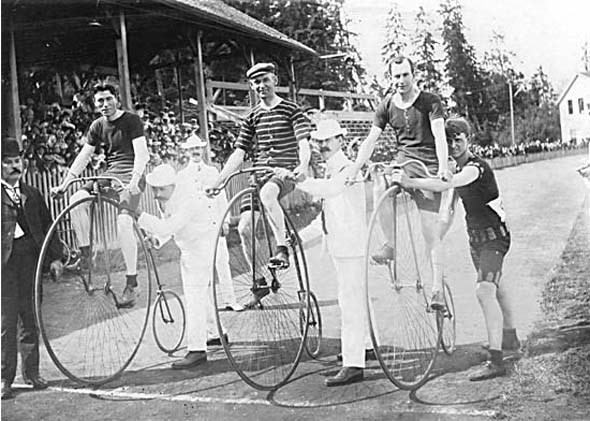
[542,201]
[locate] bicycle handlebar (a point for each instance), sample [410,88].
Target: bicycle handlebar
[95,178]
[216,190]
[388,168]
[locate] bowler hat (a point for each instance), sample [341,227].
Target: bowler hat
[328,128]
[10,149]
[260,69]
[162,175]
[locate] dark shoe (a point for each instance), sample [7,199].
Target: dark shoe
[217,341]
[488,371]
[437,302]
[128,297]
[346,375]
[384,255]
[38,382]
[369,355]
[190,360]
[281,259]
[260,289]
[7,390]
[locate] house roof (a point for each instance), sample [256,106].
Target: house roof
[569,86]
[235,21]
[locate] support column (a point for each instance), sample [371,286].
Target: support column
[293,81]
[251,94]
[200,85]
[123,63]
[14,128]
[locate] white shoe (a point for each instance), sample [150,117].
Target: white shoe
[234,307]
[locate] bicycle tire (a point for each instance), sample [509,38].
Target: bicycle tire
[87,336]
[313,342]
[265,342]
[403,329]
[447,322]
[168,321]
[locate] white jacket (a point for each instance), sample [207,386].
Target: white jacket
[344,208]
[196,176]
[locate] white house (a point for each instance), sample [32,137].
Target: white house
[574,109]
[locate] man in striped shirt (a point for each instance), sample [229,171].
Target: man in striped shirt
[275,132]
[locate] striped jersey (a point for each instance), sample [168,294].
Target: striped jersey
[273,135]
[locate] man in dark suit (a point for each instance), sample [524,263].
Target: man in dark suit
[25,220]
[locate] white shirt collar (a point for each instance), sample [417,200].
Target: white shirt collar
[336,162]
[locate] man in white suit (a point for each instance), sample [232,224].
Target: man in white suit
[187,218]
[343,224]
[194,176]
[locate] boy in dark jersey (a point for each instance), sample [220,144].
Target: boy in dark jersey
[120,133]
[277,133]
[489,240]
[417,119]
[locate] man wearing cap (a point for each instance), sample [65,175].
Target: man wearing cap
[25,221]
[276,132]
[121,134]
[343,225]
[187,218]
[195,175]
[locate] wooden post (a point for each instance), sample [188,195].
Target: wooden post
[251,94]
[123,63]
[200,85]
[293,81]
[15,128]
[179,87]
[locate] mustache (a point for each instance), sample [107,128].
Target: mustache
[16,171]
[322,150]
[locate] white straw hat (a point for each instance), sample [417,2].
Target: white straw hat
[193,141]
[328,128]
[162,175]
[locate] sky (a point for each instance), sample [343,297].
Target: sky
[548,33]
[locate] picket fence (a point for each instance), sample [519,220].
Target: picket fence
[45,180]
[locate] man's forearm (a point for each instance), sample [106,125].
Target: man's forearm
[367,147]
[142,157]
[233,163]
[304,152]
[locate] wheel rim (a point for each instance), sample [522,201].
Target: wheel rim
[313,341]
[265,342]
[89,338]
[403,329]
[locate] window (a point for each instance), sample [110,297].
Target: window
[570,106]
[581,104]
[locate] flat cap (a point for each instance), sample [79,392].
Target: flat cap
[260,69]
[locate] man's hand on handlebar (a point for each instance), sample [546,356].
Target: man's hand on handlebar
[58,191]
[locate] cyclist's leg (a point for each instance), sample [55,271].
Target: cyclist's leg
[81,221]
[385,254]
[246,231]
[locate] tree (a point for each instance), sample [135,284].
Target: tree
[462,71]
[319,25]
[540,89]
[424,47]
[586,57]
[396,37]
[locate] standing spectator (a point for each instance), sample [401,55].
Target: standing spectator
[343,223]
[25,221]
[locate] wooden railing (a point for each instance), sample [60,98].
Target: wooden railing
[320,94]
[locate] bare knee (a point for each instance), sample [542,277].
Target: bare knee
[485,291]
[79,195]
[245,224]
[125,222]
[269,195]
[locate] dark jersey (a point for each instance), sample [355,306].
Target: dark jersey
[411,126]
[273,135]
[116,137]
[481,199]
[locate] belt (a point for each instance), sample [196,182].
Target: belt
[495,232]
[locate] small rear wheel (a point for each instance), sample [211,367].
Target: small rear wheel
[168,321]
[314,331]
[447,322]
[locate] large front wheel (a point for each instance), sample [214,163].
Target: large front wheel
[399,279]
[87,334]
[265,342]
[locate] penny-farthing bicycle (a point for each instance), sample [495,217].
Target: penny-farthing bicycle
[405,332]
[265,342]
[88,334]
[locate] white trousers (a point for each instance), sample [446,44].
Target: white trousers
[200,314]
[355,336]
